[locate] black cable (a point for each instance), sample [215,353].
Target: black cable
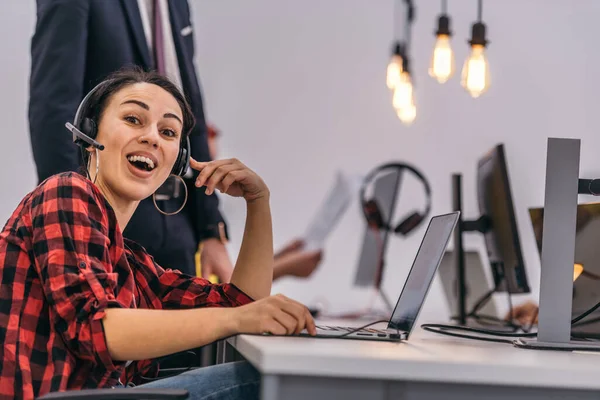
[588,322]
[363,327]
[479,10]
[585,314]
[444,329]
[396,19]
[441,329]
[353,330]
[478,330]
[481,302]
[410,11]
[444,7]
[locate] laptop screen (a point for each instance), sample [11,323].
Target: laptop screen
[422,271]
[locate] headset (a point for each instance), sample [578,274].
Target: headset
[372,211]
[85,130]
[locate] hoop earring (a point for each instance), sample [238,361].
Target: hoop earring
[87,170]
[184,200]
[97,165]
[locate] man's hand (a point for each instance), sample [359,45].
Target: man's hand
[293,260]
[524,314]
[214,259]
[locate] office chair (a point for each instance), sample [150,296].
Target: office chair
[118,394]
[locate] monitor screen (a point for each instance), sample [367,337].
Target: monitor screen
[385,189]
[422,272]
[586,261]
[502,238]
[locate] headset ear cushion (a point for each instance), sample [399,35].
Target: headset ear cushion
[408,224]
[88,126]
[373,214]
[183,159]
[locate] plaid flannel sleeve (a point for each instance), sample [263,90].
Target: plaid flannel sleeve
[183,291]
[71,248]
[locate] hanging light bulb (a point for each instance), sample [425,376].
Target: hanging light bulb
[407,114]
[404,96]
[394,68]
[442,60]
[476,71]
[403,92]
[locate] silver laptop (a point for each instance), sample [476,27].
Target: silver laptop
[415,289]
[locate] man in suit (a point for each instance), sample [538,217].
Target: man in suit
[76,44]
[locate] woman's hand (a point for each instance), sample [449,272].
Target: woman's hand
[276,314]
[230,176]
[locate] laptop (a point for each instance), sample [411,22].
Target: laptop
[415,289]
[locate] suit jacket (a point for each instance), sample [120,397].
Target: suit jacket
[76,44]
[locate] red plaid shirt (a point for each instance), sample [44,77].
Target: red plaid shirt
[63,261]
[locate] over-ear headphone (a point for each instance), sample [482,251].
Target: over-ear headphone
[372,211]
[85,130]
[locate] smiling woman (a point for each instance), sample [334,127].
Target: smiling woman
[84,307]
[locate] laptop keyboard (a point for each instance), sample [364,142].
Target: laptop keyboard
[343,329]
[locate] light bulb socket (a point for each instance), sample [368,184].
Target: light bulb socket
[405,65]
[410,12]
[398,49]
[443,26]
[478,35]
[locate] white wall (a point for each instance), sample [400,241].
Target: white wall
[17,171]
[298,89]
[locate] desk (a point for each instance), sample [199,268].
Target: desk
[427,366]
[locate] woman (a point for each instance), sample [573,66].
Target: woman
[80,305]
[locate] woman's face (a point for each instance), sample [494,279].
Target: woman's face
[140,129]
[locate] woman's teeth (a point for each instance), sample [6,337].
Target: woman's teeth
[142,159]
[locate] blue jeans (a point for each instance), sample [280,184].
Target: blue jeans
[229,381]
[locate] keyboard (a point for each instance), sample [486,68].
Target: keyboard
[362,332]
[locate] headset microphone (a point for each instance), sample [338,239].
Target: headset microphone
[80,137]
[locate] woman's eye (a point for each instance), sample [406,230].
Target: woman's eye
[169,133]
[131,119]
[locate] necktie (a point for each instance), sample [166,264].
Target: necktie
[159,50]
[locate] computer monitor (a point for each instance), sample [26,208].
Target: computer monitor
[374,242]
[502,236]
[586,268]
[498,225]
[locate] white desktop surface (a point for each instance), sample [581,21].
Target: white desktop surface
[425,357]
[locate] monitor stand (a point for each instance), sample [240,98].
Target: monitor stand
[558,250]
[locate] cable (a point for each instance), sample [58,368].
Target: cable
[479,10]
[482,302]
[585,314]
[444,329]
[410,15]
[396,18]
[363,327]
[444,6]
[353,330]
[441,329]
